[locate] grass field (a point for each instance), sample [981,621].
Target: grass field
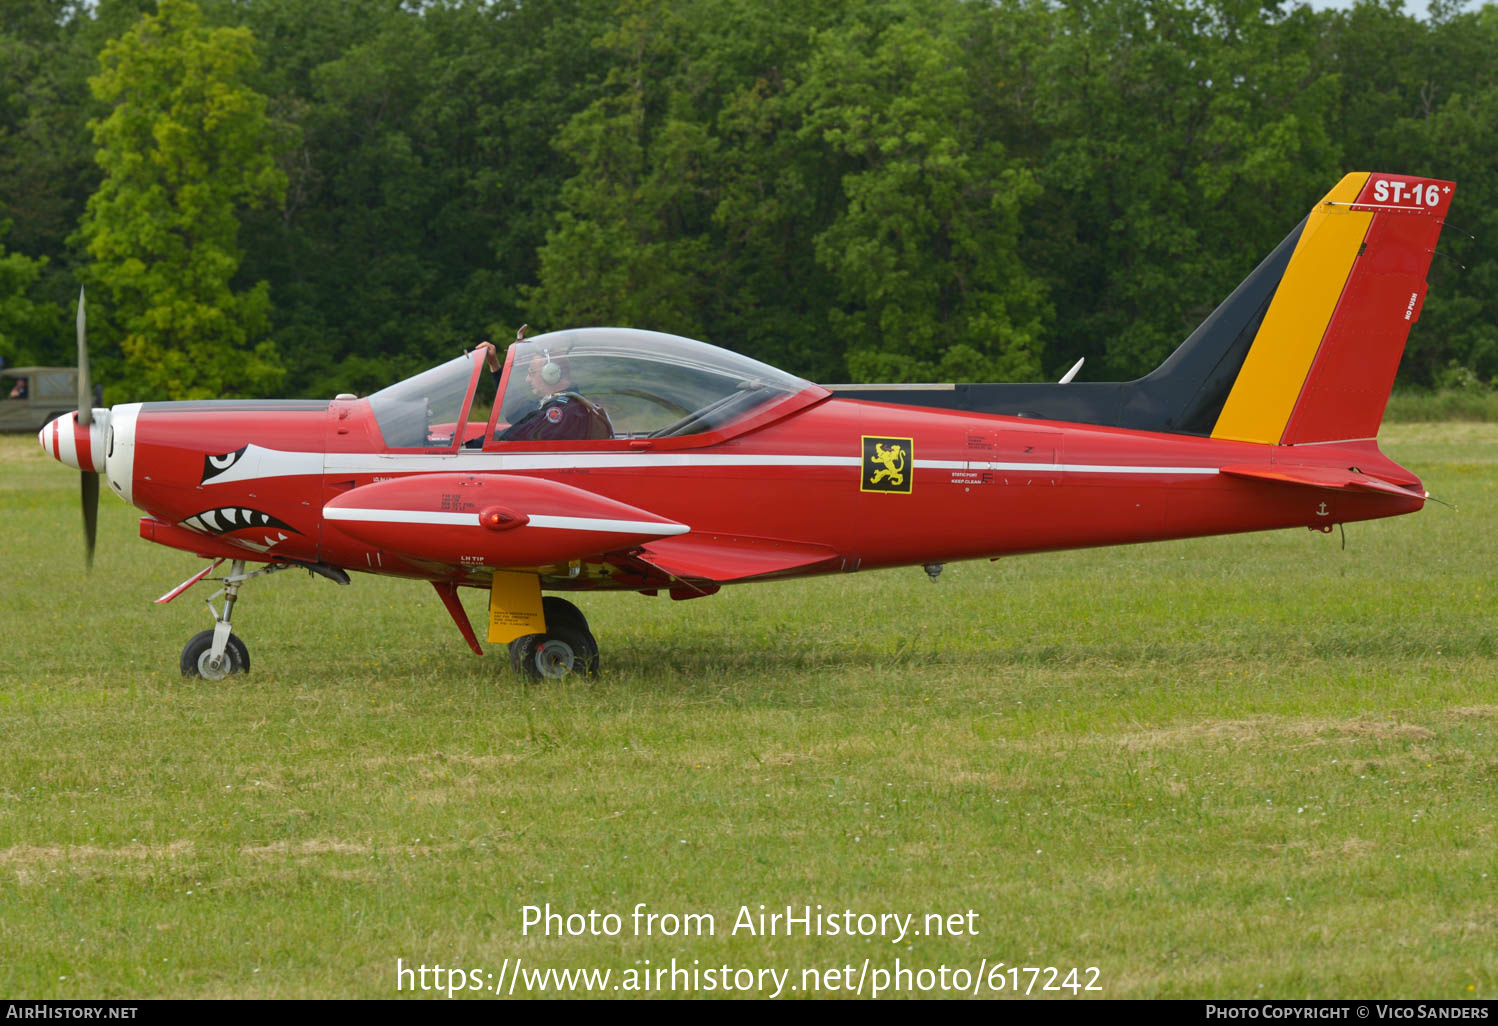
[1253,766]
[1475,404]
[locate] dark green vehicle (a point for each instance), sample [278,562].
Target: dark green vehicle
[30,397]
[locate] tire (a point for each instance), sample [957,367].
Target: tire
[560,611]
[564,651]
[194,662]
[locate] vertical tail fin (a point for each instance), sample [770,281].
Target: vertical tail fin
[1303,350]
[1323,360]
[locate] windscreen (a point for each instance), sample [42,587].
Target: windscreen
[422,412]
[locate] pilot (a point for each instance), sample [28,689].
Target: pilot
[560,413]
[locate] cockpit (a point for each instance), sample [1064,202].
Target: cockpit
[590,386]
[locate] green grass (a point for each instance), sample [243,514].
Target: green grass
[1459,404]
[1248,766]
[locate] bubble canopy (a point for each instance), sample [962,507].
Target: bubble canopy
[647,384]
[650,384]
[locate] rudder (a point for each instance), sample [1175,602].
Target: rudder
[1323,361]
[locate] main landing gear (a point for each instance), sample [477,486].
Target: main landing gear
[567,649]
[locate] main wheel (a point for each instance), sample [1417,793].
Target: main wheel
[197,663]
[560,611]
[565,650]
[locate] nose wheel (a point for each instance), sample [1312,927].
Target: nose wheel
[567,649]
[198,659]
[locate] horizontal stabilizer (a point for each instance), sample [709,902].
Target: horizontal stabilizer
[1321,477]
[725,558]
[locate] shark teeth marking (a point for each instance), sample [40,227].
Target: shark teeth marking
[224,519]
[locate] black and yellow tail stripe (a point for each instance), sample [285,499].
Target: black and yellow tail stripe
[1265,392]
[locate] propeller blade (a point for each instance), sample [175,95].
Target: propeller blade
[90,511]
[90,480]
[85,390]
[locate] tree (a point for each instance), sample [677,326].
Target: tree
[1183,139]
[1427,103]
[422,179]
[183,148]
[47,169]
[632,243]
[912,188]
[926,248]
[23,319]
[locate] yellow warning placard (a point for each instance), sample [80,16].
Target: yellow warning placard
[515,607]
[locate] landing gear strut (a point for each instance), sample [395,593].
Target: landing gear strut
[568,647]
[217,653]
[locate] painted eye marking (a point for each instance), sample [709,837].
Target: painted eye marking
[213,466]
[224,519]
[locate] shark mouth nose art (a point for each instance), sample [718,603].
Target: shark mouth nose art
[225,519]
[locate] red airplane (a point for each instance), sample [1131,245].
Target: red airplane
[632,460]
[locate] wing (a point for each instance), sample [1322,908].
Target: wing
[725,558]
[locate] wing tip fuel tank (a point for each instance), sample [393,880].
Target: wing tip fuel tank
[441,517]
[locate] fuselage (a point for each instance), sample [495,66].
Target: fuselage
[251,480]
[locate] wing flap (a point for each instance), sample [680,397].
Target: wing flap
[724,558]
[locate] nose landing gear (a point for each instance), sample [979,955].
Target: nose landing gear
[216,653]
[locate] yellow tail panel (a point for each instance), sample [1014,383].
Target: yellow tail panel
[1265,392]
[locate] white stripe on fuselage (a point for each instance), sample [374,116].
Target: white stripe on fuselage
[405,463]
[1060,468]
[259,463]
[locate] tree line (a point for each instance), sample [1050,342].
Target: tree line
[300,197]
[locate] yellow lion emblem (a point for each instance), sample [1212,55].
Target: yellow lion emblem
[893,462]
